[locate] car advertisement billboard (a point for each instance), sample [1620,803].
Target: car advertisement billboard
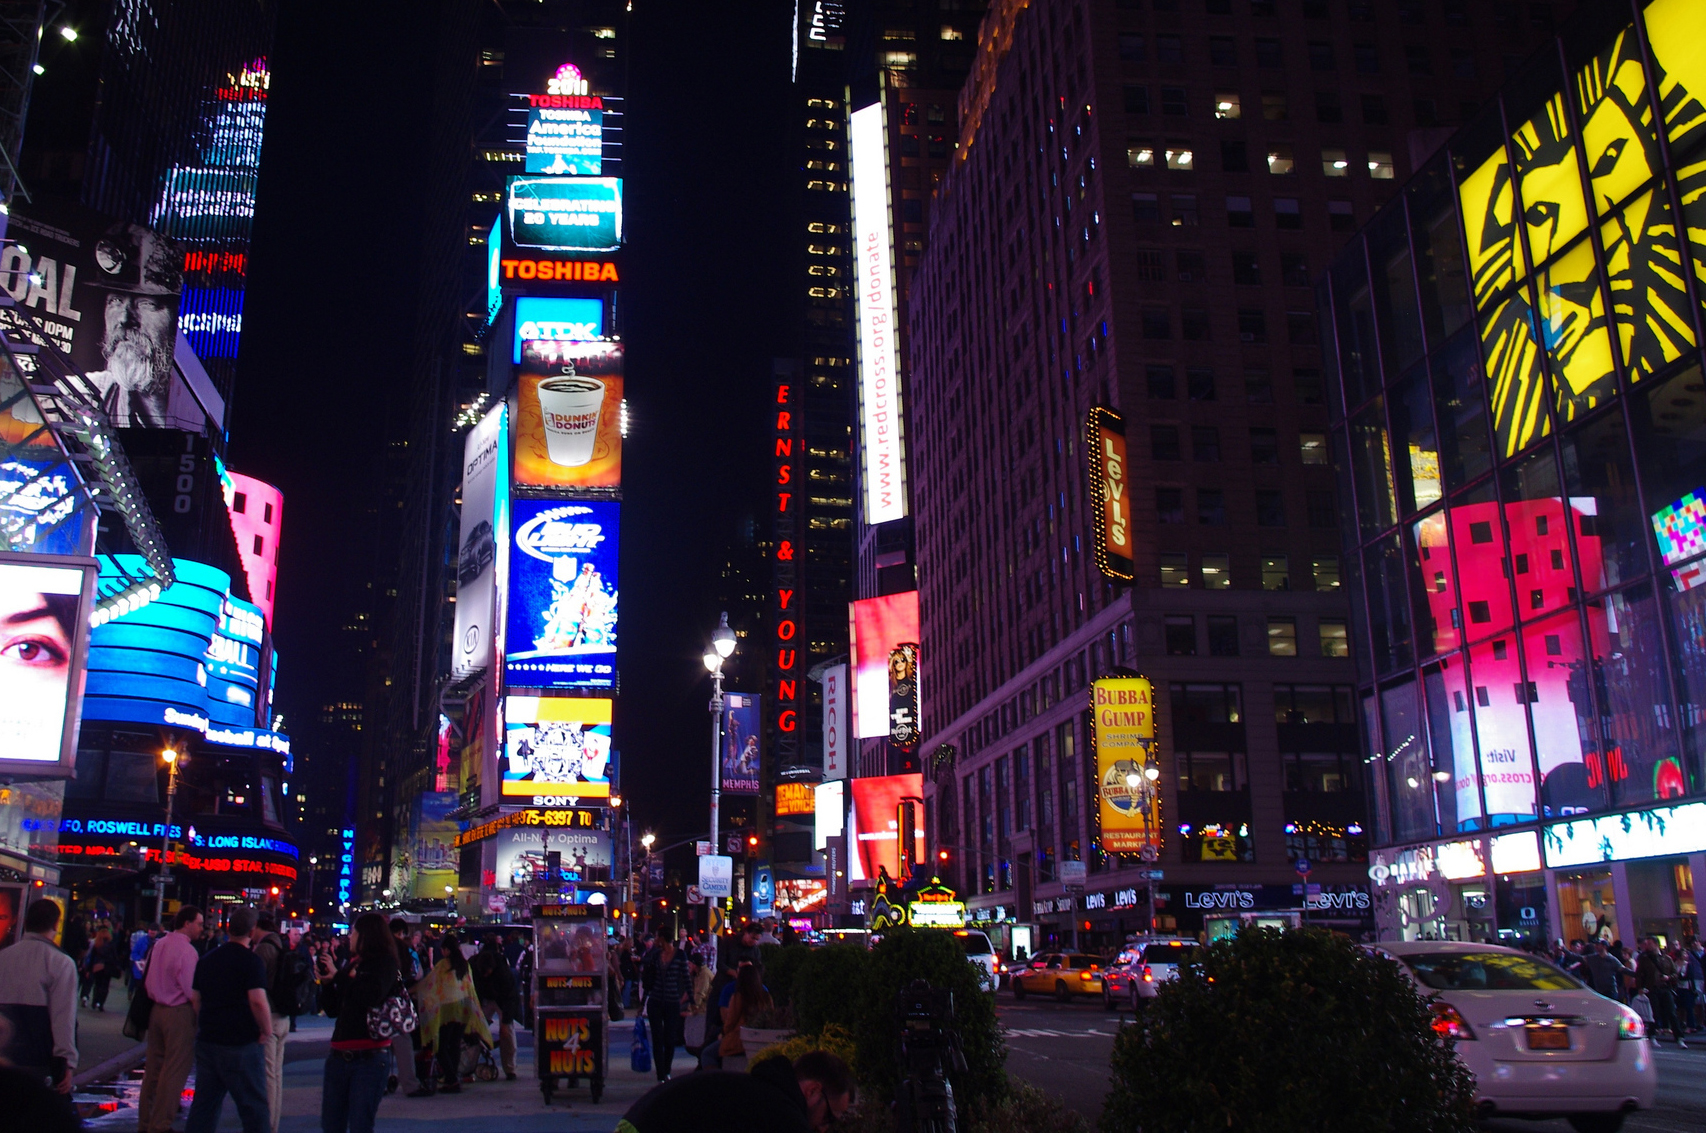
[484,494]
[549,319]
[565,214]
[882,456]
[879,627]
[741,731]
[556,749]
[44,618]
[1123,732]
[568,415]
[523,852]
[561,624]
[882,806]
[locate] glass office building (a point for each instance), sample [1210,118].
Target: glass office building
[1520,424]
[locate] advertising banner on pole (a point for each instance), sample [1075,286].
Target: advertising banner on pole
[568,415]
[556,749]
[835,715]
[879,626]
[1123,734]
[484,493]
[562,595]
[44,606]
[741,743]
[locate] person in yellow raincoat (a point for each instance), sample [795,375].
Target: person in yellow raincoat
[449,1009]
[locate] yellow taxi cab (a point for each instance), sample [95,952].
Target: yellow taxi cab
[1060,974]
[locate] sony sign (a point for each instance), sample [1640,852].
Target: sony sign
[882,452]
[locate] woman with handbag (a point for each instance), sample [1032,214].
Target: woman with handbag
[359,997]
[449,1009]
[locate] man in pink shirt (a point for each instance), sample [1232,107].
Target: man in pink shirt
[170,983]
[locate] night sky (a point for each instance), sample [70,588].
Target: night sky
[329,315]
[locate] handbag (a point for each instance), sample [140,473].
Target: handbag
[1643,1006]
[395,1016]
[640,1057]
[141,1009]
[613,1000]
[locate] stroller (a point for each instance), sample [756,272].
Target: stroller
[478,1062]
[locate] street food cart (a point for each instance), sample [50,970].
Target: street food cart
[571,1034]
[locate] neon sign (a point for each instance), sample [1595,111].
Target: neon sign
[567,80]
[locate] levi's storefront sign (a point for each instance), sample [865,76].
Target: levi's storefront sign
[1110,505]
[1124,736]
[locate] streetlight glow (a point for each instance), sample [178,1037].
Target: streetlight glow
[68,33]
[723,638]
[170,755]
[646,840]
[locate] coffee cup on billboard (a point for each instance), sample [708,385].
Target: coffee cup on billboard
[570,407]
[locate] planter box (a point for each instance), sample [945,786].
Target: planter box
[755,1039]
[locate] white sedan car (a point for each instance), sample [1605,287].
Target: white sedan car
[1539,1042]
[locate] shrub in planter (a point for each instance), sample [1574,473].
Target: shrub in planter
[822,990]
[781,968]
[1274,1032]
[834,1038]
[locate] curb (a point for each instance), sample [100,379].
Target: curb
[112,1067]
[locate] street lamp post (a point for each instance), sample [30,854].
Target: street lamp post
[170,755]
[646,841]
[722,645]
[313,861]
[1145,786]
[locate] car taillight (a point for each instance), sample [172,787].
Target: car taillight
[1085,976]
[1629,1024]
[1148,976]
[1449,1023]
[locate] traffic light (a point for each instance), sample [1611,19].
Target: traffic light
[752,845]
[941,855]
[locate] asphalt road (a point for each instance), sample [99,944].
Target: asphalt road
[1064,1049]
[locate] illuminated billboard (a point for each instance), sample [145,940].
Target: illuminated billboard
[879,626]
[795,798]
[1656,833]
[565,140]
[565,214]
[881,443]
[882,806]
[556,749]
[562,595]
[522,854]
[484,498]
[44,618]
[39,499]
[256,511]
[1123,731]
[556,320]
[829,819]
[1681,531]
[1110,494]
[741,739]
[568,415]
[903,697]
[836,708]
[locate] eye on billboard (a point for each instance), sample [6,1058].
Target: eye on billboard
[568,415]
[1110,502]
[44,619]
[556,749]
[546,319]
[883,806]
[1123,732]
[741,752]
[562,595]
[484,495]
[881,438]
[565,214]
[879,626]
[836,709]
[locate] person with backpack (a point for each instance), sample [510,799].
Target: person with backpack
[290,978]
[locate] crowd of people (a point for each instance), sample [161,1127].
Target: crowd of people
[1662,982]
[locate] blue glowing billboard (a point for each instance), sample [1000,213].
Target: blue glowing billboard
[562,595]
[565,214]
[556,320]
[38,505]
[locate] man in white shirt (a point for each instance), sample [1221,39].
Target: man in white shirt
[170,982]
[38,997]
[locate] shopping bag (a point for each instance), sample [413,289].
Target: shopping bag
[640,1059]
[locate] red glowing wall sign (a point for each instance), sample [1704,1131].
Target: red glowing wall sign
[879,626]
[876,823]
[788,643]
[256,524]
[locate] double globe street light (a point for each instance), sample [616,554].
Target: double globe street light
[1143,786]
[722,647]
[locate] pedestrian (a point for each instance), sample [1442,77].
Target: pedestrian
[169,980]
[233,1026]
[272,949]
[732,951]
[664,975]
[404,1044]
[74,942]
[449,1010]
[810,1096]
[38,1000]
[140,942]
[627,962]
[1603,972]
[354,1082]
[494,985]
[104,964]
[749,997]
[1693,977]
[1655,975]
[767,932]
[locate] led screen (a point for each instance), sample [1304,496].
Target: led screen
[1681,530]
[38,505]
[879,803]
[556,320]
[562,595]
[830,817]
[484,504]
[565,214]
[565,140]
[879,626]
[522,855]
[741,735]
[1655,833]
[556,749]
[568,415]
[43,609]
[883,460]
[835,714]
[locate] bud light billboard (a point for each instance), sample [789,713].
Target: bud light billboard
[562,595]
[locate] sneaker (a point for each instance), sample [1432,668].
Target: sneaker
[1681,1044]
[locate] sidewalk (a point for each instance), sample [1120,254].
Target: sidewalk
[100,1033]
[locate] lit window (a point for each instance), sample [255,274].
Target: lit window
[1276,574]
[1314,447]
[1334,163]
[1217,572]
[1380,165]
[1227,105]
[1280,161]
[1140,155]
[950,33]
[900,58]
[1326,569]
[1175,569]
[1335,640]
[603,33]
[1179,156]
[1282,637]
[898,35]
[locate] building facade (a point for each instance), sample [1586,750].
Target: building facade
[1140,200]
[1515,381]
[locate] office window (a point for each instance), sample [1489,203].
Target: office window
[1320,508]
[1306,385]
[1313,447]
[1367,58]
[1328,107]
[1169,49]
[1234,156]
[1205,444]
[1181,633]
[1146,207]
[1222,635]
[1137,100]
[1270,508]
[1300,327]
[1280,160]
[1210,770]
[1316,10]
[1274,106]
[1335,639]
[1380,165]
[1239,212]
[1268,53]
[1325,569]
[1462,63]
[1340,216]
[1132,47]
[1276,572]
[1374,109]
[1175,569]
[1170,505]
[1216,571]
[1264,446]
[1282,637]
[1321,55]
[1193,323]
[1222,52]
[1294,269]
[1180,156]
[1334,162]
[1164,442]
[1173,101]
[1211,507]
[1227,104]
[1149,265]
[1417,59]
[1425,112]
[1258,387]
[1140,154]
[1199,382]
[1287,213]
[1252,324]
[1184,210]
[1192,268]
[1160,381]
[1157,323]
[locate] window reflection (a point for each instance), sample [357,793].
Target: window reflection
[1460,399]
[1573,323]
[1600,480]
[1649,301]
[1619,143]
[1498,698]
[1408,776]
[1572,767]
[1452,743]
[1413,434]
[1635,712]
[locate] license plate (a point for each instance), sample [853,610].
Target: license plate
[1548,1038]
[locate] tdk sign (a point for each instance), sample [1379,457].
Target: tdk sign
[556,320]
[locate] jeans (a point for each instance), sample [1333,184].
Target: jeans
[665,1018]
[351,1090]
[240,1071]
[1664,1012]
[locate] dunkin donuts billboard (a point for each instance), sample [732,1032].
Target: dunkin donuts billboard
[568,415]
